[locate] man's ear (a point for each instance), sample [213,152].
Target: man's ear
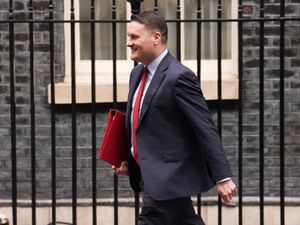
[157,38]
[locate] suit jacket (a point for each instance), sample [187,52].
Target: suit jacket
[179,148]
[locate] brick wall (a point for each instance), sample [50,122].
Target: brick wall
[104,174]
[271,105]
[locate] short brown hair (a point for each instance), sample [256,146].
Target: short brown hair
[153,20]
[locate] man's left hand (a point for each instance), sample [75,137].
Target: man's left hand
[226,190]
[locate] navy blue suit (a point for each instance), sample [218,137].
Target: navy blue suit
[179,147]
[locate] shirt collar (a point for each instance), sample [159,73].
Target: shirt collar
[155,63]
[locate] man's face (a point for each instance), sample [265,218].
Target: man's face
[141,41]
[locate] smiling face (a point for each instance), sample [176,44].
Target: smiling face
[143,42]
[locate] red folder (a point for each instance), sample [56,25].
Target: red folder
[114,148]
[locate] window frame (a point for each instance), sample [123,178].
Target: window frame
[104,68]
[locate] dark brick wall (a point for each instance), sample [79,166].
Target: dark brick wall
[104,176]
[271,91]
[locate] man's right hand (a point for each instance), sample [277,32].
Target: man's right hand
[122,170]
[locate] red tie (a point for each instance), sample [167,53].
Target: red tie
[136,109]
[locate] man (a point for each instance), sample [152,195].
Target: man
[175,149]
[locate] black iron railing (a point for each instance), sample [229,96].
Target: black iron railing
[241,21]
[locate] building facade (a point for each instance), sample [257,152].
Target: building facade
[56,58]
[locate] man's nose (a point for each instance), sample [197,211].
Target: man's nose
[129,43]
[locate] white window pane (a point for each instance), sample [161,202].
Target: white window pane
[103,31]
[208,31]
[168,10]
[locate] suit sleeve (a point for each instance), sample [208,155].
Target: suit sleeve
[190,100]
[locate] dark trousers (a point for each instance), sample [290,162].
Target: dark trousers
[170,212]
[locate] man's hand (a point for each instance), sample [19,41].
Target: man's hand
[226,190]
[122,170]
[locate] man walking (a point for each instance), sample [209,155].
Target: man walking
[175,150]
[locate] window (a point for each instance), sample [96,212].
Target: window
[102,30]
[124,65]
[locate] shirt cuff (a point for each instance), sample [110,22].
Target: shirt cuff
[223,180]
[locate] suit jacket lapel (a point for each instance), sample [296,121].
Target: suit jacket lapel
[155,84]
